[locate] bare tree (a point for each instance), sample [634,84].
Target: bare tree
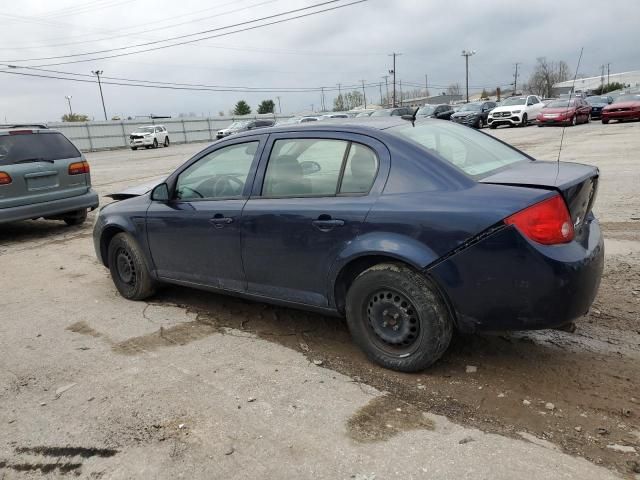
[454,89]
[546,74]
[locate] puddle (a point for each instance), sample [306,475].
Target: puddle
[385,417]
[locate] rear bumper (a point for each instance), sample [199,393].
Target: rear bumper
[50,209]
[506,282]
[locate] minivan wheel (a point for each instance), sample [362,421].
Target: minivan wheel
[129,269]
[76,218]
[398,317]
[166,141]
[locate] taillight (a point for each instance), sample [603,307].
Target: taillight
[5,178]
[547,222]
[77,168]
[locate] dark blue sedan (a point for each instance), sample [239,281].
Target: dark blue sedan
[409,230]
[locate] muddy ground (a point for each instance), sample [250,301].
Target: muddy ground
[578,393]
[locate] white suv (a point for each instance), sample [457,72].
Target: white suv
[149,136]
[516,111]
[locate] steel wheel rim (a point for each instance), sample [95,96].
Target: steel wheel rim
[393,323]
[125,267]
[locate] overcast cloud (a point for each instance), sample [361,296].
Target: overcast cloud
[344,46]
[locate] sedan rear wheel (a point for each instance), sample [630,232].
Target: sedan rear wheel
[129,269]
[398,318]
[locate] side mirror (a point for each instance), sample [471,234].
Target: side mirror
[160,193]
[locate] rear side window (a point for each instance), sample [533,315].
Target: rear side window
[319,167]
[35,147]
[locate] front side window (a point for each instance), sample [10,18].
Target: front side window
[318,167]
[220,174]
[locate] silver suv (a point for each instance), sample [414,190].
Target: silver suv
[42,174]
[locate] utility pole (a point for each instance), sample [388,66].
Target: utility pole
[69,97]
[515,80]
[400,93]
[608,73]
[279,107]
[380,85]
[466,54]
[426,85]
[97,73]
[601,78]
[364,94]
[393,72]
[386,83]
[322,99]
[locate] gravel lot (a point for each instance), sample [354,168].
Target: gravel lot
[195,385]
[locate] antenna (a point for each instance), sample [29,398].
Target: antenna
[568,103]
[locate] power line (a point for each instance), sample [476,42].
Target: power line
[155,42]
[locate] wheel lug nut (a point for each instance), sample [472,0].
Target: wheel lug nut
[384,324]
[396,327]
[396,316]
[385,312]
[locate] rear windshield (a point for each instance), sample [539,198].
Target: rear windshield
[476,154]
[33,147]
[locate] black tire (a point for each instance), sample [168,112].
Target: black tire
[605,120]
[129,269]
[134,148]
[166,141]
[574,121]
[588,119]
[398,318]
[492,126]
[76,218]
[155,143]
[525,120]
[479,123]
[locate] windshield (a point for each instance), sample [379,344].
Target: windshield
[593,100]
[471,107]
[426,110]
[514,101]
[146,129]
[475,153]
[381,113]
[628,98]
[561,103]
[241,124]
[35,147]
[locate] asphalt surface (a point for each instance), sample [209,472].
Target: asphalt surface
[192,385]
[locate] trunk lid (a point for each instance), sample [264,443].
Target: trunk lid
[577,183]
[38,163]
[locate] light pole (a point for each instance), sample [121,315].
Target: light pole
[393,72]
[466,54]
[279,106]
[69,97]
[97,73]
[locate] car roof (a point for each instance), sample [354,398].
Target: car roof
[363,125]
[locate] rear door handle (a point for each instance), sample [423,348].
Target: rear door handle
[220,221]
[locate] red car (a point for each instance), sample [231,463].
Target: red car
[565,112]
[624,107]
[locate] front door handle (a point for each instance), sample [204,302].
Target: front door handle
[325,223]
[220,220]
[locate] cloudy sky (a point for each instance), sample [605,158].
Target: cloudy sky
[343,46]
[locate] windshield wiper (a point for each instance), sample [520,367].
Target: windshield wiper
[34,159]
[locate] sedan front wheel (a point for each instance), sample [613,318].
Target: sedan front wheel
[398,318]
[129,269]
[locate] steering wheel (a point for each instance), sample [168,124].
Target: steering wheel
[222,186]
[191,189]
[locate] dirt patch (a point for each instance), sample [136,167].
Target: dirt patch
[83,328]
[68,451]
[383,418]
[180,334]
